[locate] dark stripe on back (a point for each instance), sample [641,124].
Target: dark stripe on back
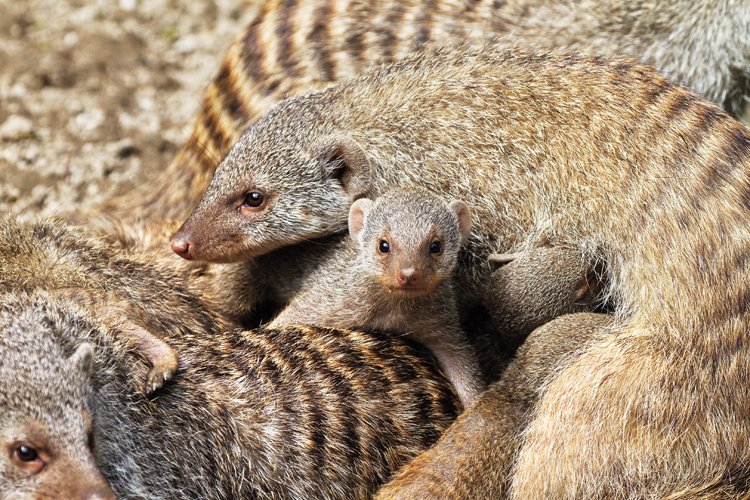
[471,5]
[355,40]
[228,92]
[286,57]
[424,23]
[211,125]
[252,58]
[319,38]
[388,29]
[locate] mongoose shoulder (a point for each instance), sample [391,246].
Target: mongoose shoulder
[396,276]
[608,157]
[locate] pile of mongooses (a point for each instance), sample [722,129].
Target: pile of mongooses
[215,127]
[527,138]
[295,46]
[248,413]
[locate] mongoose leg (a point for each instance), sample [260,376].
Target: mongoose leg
[474,457]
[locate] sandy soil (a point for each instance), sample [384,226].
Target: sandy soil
[95,92]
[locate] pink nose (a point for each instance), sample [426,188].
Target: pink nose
[408,277]
[182,247]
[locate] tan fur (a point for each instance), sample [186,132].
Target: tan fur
[535,287]
[474,456]
[357,285]
[659,195]
[294,46]
[294,412]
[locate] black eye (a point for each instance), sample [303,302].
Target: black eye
[384,247]
[435,247]
[26,453]
[253,199]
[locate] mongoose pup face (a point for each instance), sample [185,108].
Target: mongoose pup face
[409,241]
[46,440]
[252,206]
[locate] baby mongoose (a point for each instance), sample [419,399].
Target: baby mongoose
[396,276]
[536,286]
[295,412]
[607,157]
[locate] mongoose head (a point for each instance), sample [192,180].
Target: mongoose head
[409,241]
[277,187]
[45,422]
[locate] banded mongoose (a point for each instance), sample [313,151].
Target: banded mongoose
[396,276]
[292,412]
[536,286]
[609,158]
[122,292]
[294,46]
[46,435]
[474,457]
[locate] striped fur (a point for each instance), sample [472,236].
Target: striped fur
[294,46]
[605,156]
[296,412]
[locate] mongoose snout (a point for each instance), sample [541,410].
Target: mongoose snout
[409,277]
[182,246]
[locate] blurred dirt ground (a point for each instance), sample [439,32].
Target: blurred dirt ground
[93,93]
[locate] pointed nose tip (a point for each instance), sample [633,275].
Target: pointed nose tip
[182,247]
[408,276]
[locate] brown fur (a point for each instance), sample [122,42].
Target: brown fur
[535,287]
[639,193]
[358,285]
[283,413]
[118,290]
[474,456]
[294,46]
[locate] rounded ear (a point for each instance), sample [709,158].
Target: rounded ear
[83,358]
[463,213]
[344,160]
[357,215]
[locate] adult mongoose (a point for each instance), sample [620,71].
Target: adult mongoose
[291,412]
[293,47]
[607,157]
[396,276]
[46,433]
